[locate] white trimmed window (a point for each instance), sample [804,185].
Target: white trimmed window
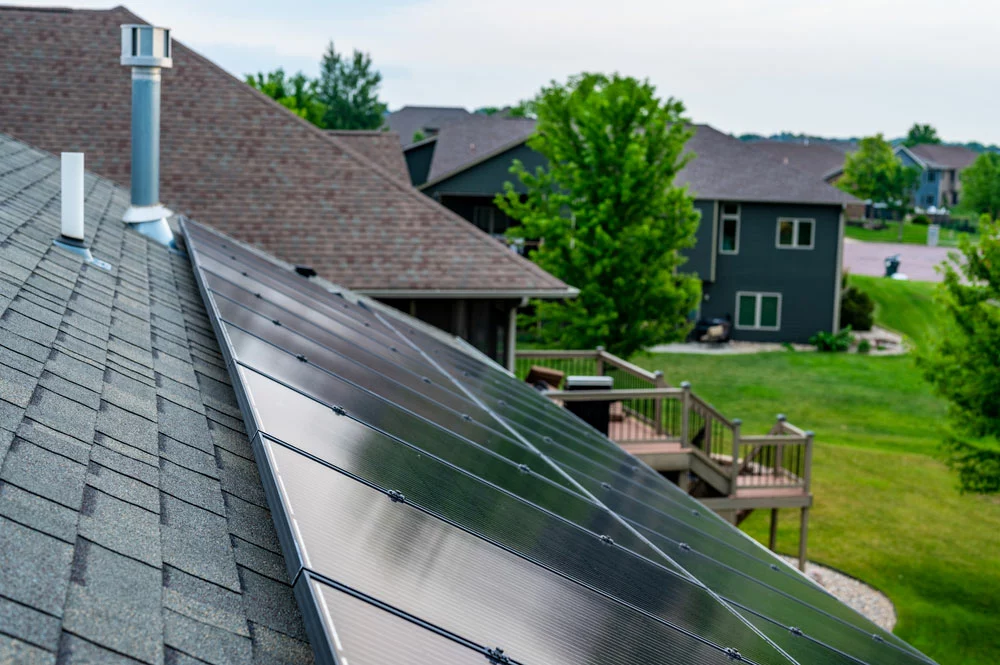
[758,311]
[729,229]
[795,233]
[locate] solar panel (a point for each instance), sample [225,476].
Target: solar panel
[433,508]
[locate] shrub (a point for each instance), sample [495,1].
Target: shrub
[857,309]
[827,341]
[864,346]
[923,220]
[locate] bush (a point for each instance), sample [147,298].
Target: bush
[827,341]
[857,309]
[864,346]
[923,220]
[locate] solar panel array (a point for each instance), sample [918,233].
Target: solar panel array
[432,508]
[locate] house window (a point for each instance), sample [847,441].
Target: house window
[929,200]
[931,176]
[795,233]
[489,219]
[758,311]
[729,240]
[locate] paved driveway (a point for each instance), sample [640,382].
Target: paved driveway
[916,261]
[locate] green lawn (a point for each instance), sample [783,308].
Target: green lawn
[906,307]
[886,509]
[914,234]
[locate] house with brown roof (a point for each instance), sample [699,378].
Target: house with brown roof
[337,204]
[413,122]
[768,248]
[940,183]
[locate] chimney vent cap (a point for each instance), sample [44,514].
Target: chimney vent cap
[146,46]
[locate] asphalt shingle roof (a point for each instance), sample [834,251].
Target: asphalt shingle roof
[240,161]
[818,159]
[411,119]
[466,141]
[381,147]
[724,168]
[133,526]
[945,156]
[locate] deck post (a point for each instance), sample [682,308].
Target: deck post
[803,537]
[685,414]
[599,361]
[658,382]
[807,471]
[772,540]
[735,469]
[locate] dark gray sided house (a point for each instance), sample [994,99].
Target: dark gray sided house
[768,248]
[334,202]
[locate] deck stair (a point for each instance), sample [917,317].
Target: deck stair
[679,434]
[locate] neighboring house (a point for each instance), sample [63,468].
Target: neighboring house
[768,248]
[940,166]
[411,121]
[310,197]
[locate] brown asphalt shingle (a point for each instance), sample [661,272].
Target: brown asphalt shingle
[380,147]
[236,158]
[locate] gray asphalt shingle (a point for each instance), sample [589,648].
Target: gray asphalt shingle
[116,540]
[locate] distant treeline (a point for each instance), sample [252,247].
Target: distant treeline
[802,138]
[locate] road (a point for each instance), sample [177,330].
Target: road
[916,261]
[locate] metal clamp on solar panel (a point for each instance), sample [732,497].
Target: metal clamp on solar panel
[597,414]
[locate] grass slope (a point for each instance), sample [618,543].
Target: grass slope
[906,307]
[886,510]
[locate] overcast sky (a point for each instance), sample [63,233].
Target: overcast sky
[836,68]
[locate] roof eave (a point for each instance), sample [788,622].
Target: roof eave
[471,294]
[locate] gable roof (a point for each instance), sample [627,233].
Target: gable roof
[381,147]
[133,522]
[942,156]
[469,141]
[724,167]
[408,120]
[818,159]
[235,157]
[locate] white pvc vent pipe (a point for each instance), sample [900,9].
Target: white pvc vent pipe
[72,195]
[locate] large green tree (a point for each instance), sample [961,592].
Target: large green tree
[964,363]
[297,93]
[610,218]
[981,185]
[348,87]
[874,173]
[921,134]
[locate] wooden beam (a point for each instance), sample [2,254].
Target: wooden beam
[762,501]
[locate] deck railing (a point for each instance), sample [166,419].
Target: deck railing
[645,410]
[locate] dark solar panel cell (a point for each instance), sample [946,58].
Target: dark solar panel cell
[335,354]
[421,565]
[445,430]
[290,313]
[359,633]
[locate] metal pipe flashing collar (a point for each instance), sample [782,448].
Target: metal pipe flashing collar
[147,49]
